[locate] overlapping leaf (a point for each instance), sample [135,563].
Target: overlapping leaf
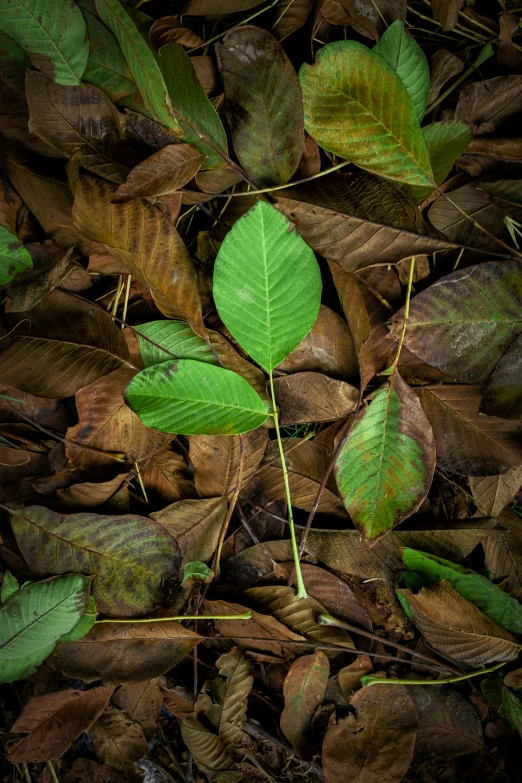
[221,461]
[14,258]
[304,689]
[402,52]
[195,525]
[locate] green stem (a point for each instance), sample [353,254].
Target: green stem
[369,680]
[245,616]
[301,590]
[406,313]
[484,55]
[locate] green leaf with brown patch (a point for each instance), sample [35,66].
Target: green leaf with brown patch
[14,258]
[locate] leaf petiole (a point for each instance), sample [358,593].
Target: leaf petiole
[244,616]
[368,680]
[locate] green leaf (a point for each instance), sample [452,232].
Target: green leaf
[9,587]
[14,258]
[196,571]
[445,141]
[34,619]
[53,34]
[386,467]
[141,61]
[466,342]
[500,606]
[512,708]
[357,107]
[13,62]
[267,285]
[404,55]
[84,626]
[195,398]
[197,117]
[174,340]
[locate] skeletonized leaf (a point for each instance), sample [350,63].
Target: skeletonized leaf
[449,220]
[468,442]
[140,59]
[503,394]
[304,689]
[385,469]
[375,745]
[466,342]
[310,396]
[162,173]
[357,107]
[140,236]
[195,525]
[220,460]
[129,556]
[54,720]
[402,52]
[271,309]
[263,104]
[493,493]
[14,258]
[457,629]
[54,36]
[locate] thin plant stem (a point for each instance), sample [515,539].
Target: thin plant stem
[368,680]
[484,55]
[301,590]
[231,506]
[240,24]
[178,618]
[319,174]
[117,295]
[140,479]
[406,314]
[52,770]
[126,301]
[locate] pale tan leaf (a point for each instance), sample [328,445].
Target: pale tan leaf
[142,701]
[493,493]
[313,397]
[89,494]
[195,525]
[218,460]
[163,173]
[304,690]
[457,629]
[118,740]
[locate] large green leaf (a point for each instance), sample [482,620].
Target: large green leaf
[197,117]
[357,107]
[34,619]
[386,467]
[128,556]
[402,52]
[466,342]
[141,61]
[14,258]
[263,104]
[13,62]
[267,285]
[497,604]
[53,34]
[195,398]
[172,340]
[445,141]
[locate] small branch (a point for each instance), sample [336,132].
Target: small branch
[369,680]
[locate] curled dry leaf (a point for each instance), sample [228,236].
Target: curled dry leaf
[89,494]
[220,461]
[312,397]
[195,525]
[457,629]
[52,721]
[165,172]
[377,743]
[304,689]
[119,741]
[208,751]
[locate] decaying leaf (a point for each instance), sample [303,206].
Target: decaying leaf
[310,396]
[195,525]
[118,740]
[221,461]
[493,493]
[304,689]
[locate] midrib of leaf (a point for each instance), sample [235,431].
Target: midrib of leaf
[268,320]
[195,401]
[381,459]
[62,58]
[34,622]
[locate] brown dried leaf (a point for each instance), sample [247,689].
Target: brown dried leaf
[163,173]
[488,103]
[443,66]
[377,745]
[503,393]
[290,16]
[447,218]
[166,478]
[26,294]
[218,460]
[88,771]
[118,741]
[54,720]
[218,7]
[256,565]
[313,397]
[208,751]
[117,653]
[140,235]
[141,701]
[349,677]
[507,56]
[457,629]
[493,493]
[468,442]
[108,424]
[353,304]
[446,12]
[18,463]
[89,494]
[503,554]
[169,30]
[195,525]
[304,690]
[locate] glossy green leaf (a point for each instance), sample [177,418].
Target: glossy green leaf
[497,604]
[14,258]
[197,117]
[9,587]
[267,285]
[466,342]
[357,107]
[34,619]
[195,398]
[128,556]
[141,61]
[402,53]
[86,623]
[445,141]
[172,340]
[385,469]
[53,35]
[263,104]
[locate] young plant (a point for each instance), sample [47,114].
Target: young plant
[267,290]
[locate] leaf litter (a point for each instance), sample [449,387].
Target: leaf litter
[260,391]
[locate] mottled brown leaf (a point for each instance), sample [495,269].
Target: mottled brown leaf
[304,689]
[219,459]
[164,172]
[313,397]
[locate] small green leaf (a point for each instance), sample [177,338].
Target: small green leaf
[53,34]
[9,587]
[35,619]
[402,52]
[357,107]
[500,606]
[14,258]
[196,571]
[173,340]
[267,285]
[195,398]
[141,61]
[445,141]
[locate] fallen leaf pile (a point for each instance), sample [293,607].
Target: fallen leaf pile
[260,391]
